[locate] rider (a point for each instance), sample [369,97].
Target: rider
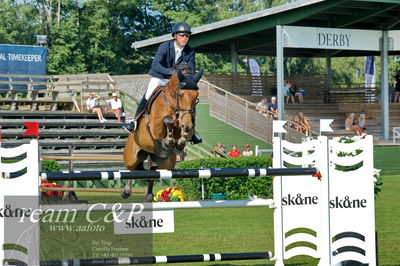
[169,54]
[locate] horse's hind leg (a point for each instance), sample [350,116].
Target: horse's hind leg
[133,159]
[126,192]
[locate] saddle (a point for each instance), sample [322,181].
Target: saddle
[149,103]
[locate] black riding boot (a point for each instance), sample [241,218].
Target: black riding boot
[130,125]
[196,139]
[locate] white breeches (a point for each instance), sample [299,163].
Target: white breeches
[154,83]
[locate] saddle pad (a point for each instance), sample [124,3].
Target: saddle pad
[149,103]
[153,96]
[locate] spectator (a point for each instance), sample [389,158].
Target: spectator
[273,108]
[296,124]
[215,148]
[305,125]
[219,150]
[362,123]
[92,104]
[397,87]
[218,145]
[116,106]
[262,107]
[287,87]
[298,93]
[234,152]
[247,151]
[349,124]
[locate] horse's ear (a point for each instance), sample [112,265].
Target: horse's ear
[181,77]
[198,75]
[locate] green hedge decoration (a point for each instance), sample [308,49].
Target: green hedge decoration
[235,187]
[50,166]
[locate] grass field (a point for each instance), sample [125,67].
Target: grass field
[388,159]
[219,230]
[222,230]
[213,131]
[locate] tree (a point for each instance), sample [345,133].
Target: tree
[19,22]
[66,56]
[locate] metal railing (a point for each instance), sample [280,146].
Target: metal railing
[241,114]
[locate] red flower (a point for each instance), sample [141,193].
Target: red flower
[50,193]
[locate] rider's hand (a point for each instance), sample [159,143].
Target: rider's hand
[171,72]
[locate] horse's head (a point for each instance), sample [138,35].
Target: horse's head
[186,94]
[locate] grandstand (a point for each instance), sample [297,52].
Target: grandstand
[66,129]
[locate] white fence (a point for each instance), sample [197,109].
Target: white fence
[335,213]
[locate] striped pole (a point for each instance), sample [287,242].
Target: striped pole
[159,206]
[167,174]
[74,189]
[160,259]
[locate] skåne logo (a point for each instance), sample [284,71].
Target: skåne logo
[347,203]
[299,200]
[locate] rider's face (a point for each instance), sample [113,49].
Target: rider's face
[182,39]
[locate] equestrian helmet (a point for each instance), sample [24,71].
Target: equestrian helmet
[181,27]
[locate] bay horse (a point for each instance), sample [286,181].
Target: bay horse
[165,129]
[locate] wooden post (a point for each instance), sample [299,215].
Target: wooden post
[70,195]
[246,119]
[226,107]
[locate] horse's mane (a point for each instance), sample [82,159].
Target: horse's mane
[184,67]
[174,81]
[172,84]
[187,71]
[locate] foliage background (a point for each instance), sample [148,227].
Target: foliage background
[94,36]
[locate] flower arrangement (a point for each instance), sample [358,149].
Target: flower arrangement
[170,194]
[50,193]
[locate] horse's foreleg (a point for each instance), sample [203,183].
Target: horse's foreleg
[169,141]
[185,133]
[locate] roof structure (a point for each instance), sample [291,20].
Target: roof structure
[255,33]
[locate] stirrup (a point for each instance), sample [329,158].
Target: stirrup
[130,126]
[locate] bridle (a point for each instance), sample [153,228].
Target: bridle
[177,109]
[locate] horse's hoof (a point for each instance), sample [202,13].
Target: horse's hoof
[181,142]
[126,193]
[149,198]
[180,147]
[167,146]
